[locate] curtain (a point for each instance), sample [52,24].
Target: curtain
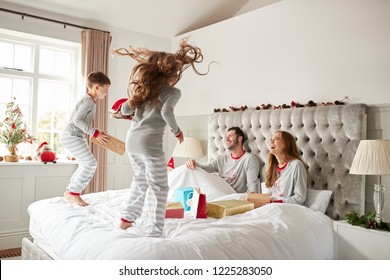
[95,53]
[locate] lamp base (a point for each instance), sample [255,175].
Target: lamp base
[379,202]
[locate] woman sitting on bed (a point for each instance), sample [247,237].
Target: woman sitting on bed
[286,174]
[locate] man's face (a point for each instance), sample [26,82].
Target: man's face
[231,140]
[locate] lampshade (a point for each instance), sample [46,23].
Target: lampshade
[372,158]
[189,148]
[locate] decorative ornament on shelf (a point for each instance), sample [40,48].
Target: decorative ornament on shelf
[13,131]
[45,154]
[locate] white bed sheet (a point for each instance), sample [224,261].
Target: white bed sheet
[274,231]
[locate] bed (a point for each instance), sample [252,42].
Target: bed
[328,137]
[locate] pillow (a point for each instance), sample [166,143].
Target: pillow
[318,200]
[210,184]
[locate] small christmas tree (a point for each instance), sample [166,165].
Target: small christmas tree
[13,130]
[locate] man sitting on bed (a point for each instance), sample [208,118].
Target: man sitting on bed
[239,168]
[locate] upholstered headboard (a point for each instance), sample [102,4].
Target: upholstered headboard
[327,137]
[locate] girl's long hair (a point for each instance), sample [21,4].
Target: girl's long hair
[154,69]
[290,153]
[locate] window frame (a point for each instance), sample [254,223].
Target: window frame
[74,79]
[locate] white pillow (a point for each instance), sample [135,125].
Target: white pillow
[210,184]
[318,200]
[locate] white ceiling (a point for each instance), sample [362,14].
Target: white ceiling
[162,18]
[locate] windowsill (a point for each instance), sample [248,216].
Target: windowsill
[37,163]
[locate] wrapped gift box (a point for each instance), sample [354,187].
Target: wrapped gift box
[112,144]
[259,199]
[174,210]
[223,208]
[184,195]
[198,205]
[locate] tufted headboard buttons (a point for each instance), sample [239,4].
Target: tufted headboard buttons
[327,138]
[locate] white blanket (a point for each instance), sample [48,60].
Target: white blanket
[274,231]
[211,184]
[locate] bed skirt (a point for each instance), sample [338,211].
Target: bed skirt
[30,251]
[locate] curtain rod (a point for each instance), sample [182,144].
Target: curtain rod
[48,19]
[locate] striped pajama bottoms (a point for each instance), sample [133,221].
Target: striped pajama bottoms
[79,148]
[150,176]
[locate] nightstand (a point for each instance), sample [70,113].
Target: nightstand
[358,243]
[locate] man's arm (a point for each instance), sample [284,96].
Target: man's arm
[210,167]
[253,175]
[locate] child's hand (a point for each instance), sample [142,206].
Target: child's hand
[102,138]
[119,115]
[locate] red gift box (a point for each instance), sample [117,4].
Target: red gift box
[174,210]
[198,207]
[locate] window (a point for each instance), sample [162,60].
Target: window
[42,74]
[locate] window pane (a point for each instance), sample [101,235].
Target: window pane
[45,93]
[56,145]
[3,107]
[23,57]
[6,89]
[63,63]
[46,61]
[45,106]
[62,100]
[53,102]
[44,137]
[22,90]
[44,119]
[55,62]
[14,55]
[60,119]
[6,54]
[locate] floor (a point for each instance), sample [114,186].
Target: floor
[11,258]
[11,254]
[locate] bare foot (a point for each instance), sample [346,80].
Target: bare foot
[75,199]
[125,225]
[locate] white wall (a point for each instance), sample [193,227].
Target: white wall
[299,50]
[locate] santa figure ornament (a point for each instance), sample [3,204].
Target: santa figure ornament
[45,153]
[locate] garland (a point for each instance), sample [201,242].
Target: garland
[366,222]
[293,104]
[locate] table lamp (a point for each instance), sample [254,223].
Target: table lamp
[190,148]
[373,158]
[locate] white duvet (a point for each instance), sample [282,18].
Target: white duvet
[274,231]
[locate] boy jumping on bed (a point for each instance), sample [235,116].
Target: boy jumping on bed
[152,99]
[73,136]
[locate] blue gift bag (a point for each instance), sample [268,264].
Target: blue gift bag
[184,194]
